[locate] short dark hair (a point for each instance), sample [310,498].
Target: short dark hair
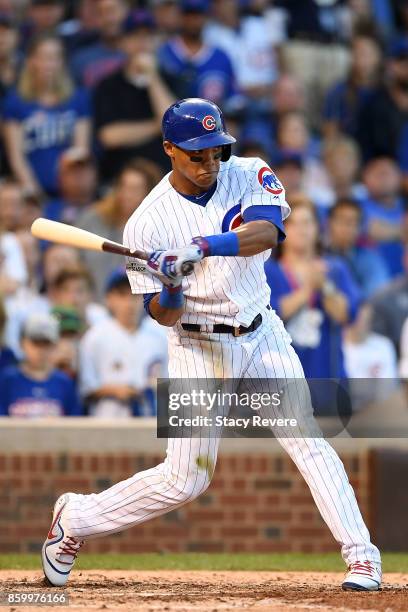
[72,273]
[345,203]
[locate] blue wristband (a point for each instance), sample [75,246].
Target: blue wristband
[171,297]
[223,244]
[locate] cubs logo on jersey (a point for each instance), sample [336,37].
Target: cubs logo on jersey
[268,180]
[232,219]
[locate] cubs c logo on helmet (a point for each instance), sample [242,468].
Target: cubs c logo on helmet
[209,122]
[268,181]
[232,219]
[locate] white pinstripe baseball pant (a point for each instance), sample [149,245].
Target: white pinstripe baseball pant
[265,353]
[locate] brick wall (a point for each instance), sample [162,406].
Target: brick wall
[256,502]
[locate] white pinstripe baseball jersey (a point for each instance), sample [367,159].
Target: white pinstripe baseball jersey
[227,290]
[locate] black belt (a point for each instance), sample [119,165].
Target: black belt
[219,328]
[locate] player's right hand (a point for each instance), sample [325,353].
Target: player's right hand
[169,266]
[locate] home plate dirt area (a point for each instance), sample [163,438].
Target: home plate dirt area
[209,591]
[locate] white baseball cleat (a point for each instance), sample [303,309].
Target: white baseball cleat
[60,549]
[363,576]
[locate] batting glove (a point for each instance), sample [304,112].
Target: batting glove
[171,266]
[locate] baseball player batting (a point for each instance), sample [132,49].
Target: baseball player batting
[223,214]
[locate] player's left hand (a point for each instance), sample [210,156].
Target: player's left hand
[170,266]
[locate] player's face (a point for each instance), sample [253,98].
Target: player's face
[195,169]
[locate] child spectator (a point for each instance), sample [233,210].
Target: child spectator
[71,327]
[120,357]
[34,388]
[108,217]
[77,186]
[43,117]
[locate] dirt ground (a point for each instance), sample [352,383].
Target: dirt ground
[199,591]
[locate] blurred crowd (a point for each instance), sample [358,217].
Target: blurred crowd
[317,88]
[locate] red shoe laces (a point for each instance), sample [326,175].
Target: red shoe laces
[70,546]
[364,568]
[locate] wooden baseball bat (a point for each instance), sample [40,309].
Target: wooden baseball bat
[53,231]
[45,229]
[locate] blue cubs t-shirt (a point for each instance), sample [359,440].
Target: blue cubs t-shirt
[390,250]
[208,74]
[47,131]
[316,338]
[21,396]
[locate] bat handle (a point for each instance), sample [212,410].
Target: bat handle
[187,268]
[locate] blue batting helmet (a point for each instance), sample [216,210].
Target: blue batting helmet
[195,123]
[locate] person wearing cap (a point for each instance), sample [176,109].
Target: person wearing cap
[121,358]
[71,327]
[97,61]
[129,104]
[77,186]
[190,66]
[34,388]
[166,14]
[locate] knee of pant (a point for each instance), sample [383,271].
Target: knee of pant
[192,488]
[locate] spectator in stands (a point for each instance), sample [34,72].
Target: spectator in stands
[71,327]
[383,210]
[390,306]
[129,105]
[7,357]
[43,117]
[73,288]
[81,31]
[166,15]
[32,257]
[93,63]
[314,53]
[13,271]
[34,388]
[250,43]
[289,168]
[365,264]
[44,17]
[293,137]
[28,299]
[192,68]
[8,53]
[119,356]
[384,116]
[288,95]
[11,205]
[108,217]
[77,186]
[341,157]
[314,294]
[345,99]
[370,361]
[32,208]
